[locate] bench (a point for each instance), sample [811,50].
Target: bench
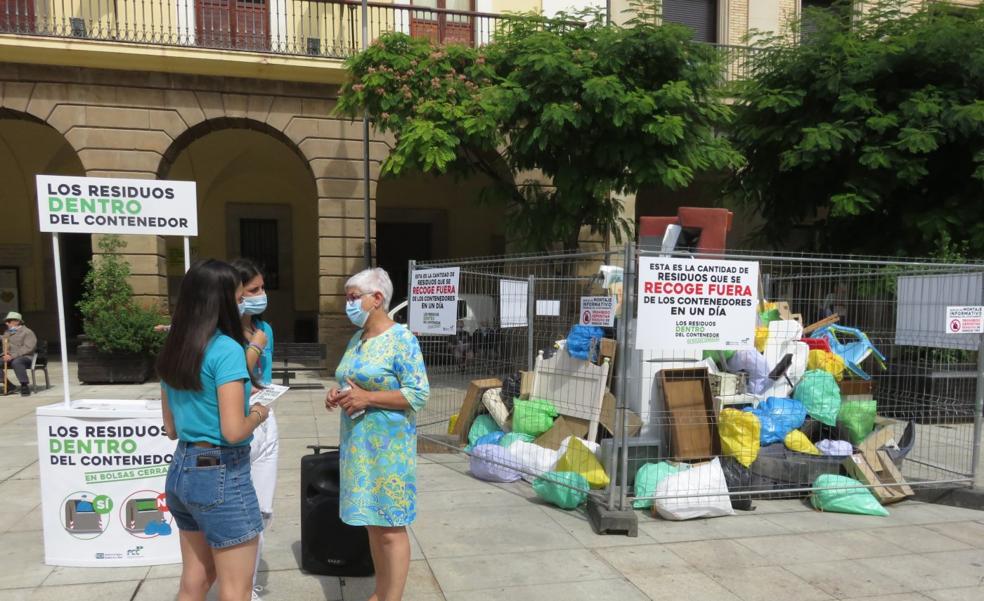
[305,353]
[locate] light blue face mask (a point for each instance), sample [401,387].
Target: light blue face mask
[255,304]
[356,314]
[242,307]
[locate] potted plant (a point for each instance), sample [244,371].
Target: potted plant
[120,341]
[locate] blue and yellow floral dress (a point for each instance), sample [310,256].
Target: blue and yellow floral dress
[378,450]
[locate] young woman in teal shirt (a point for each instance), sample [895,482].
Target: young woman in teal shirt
[205,390]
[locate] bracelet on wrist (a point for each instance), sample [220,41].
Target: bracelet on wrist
[255,347]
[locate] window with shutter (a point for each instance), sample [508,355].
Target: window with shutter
[698,15]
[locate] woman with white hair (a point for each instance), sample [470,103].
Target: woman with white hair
[384,385]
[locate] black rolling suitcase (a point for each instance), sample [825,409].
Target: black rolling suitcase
[329,547]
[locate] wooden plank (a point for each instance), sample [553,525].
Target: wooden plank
[826,321]
[891,476]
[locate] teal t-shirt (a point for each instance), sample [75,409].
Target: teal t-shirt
[264,367]
[196,412]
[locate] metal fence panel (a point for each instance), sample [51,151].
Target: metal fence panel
[687,407]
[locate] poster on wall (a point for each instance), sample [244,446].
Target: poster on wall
[9,290]
[433,306]
[965,320]
[598,311]
[103,205]
[696,304]
[102,488]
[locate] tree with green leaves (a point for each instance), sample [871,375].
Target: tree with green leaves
[557,114]
[869,130]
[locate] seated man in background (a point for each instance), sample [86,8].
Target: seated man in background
[19,345]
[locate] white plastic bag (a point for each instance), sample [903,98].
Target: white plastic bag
[700,492]
[531,459]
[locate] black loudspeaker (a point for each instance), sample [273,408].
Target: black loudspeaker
[329,547]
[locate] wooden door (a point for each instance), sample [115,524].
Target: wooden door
[238,24]
[443,28]
[17,16]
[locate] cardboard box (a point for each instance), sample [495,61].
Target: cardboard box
[560,430]
[693,425]
[525,384]
[469,407]
[606,350]
[609,415]
[856,390]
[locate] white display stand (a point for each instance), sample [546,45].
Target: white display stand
[103,463]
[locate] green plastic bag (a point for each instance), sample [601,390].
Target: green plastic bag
[820,394]
[511,437]
[566,490]
[768,316]
[533,417]
[483,424]
[647,477]
[847,496]
[858,419]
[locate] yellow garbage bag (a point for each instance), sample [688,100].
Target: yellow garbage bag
[740,432]
[761,337]
[797,441]
[452,422]
[580,460]
[826,361]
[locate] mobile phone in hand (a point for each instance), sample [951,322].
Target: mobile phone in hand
[346,388]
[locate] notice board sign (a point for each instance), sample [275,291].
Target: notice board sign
[103,205]
[433,306]
[965,320]
[598,311]
[696,304]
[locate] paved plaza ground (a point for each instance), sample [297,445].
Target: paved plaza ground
[475,541]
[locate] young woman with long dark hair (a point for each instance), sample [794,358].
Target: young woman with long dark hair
[205,390]
[265,448]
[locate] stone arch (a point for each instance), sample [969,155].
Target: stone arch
[30,146]
[199,130]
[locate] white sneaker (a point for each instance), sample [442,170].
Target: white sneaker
[256,593]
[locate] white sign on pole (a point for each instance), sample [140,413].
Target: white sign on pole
[598,311]
[513,303]
[102,205]
[433,306]
[965,320]
[102,485]
[696,304]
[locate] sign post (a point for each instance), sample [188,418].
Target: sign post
[103,462]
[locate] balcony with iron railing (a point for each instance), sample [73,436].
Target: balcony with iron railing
[329,29]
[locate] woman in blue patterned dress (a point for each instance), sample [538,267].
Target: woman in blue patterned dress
[384,385]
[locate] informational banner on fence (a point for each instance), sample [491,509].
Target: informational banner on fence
[965,320]
[433,307]
[598,311]
[102,487]
[102,205]
[696,304]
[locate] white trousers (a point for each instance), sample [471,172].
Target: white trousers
[263,454]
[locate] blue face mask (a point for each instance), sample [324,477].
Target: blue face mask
[255,304]
[356,314]
[242,307]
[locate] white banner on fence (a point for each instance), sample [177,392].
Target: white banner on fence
[102,205]
[696,304]
[102,489]
[513,303]
[433,307]
[598,311]
[965,320]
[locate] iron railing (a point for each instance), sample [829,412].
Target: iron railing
[317,28]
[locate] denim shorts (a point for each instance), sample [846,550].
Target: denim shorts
[217,500]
